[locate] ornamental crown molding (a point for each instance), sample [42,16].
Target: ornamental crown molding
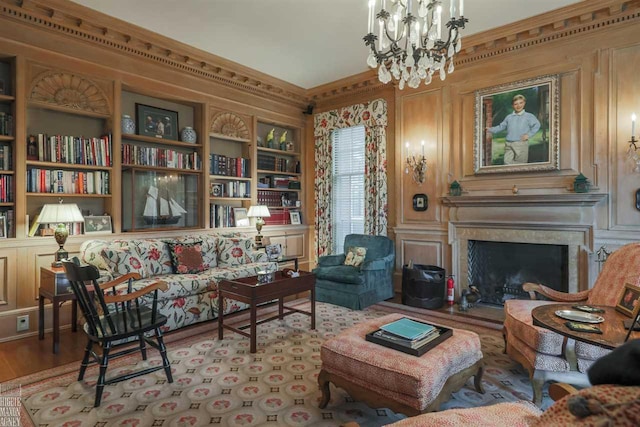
[79,22]
[570,21]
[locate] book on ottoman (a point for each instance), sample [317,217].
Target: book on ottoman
[425,336]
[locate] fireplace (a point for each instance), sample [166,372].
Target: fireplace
[498,269]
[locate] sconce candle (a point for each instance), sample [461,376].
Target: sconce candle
[417,164]
[633,125]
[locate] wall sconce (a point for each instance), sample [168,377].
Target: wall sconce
[632,152]
[417,165]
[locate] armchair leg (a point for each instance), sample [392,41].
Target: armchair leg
[106,347]
[163,355]
[85,360]
[537,383]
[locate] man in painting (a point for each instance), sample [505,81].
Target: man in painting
[520,126]
[149,124]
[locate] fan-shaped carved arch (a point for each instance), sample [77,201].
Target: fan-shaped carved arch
[229,124]
[70,91]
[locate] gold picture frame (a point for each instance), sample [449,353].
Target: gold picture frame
[517,126]
[628,301]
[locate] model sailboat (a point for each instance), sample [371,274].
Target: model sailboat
[161,210]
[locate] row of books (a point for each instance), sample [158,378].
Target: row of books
[231,189]
[277,198]
[6,188]
[76,150]
[6,157]
[64,181]
[277,164]
[229,166]
[409,336]
[7,225]
[221,216]
[135,155]
[6,124]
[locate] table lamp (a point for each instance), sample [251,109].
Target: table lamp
[60,213]
[258,212]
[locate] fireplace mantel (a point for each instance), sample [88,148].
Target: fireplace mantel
[570,199]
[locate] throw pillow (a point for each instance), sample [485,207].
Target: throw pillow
[187,257]
[122,261]
[355,256]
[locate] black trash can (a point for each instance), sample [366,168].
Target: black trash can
[423,286]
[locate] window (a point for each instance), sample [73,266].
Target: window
[348,184]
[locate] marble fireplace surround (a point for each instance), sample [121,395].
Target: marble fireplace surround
[558,219]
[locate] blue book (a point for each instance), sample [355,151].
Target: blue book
[408,329]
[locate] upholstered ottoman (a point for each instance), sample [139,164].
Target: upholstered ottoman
[385,378]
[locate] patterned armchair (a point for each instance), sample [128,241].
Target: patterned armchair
[550,356]
[357,287]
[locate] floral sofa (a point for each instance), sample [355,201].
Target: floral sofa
[192,266]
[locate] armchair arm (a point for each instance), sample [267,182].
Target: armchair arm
[331,260]
[554,295]
[159,285]
[559,390]
[378,264]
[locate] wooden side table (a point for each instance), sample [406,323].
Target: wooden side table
[55,287]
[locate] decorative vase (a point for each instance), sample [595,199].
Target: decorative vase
[187,134]
[128,125]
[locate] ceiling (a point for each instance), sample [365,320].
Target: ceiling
[304,42]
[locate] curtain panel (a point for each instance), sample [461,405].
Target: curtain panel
[373,115]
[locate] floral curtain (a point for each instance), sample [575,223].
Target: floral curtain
[373,115]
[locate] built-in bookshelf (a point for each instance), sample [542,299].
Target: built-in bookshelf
[230,168]
[161,174]
[7,147]
[279,171]
[69,148]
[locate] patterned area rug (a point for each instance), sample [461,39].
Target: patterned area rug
[221,383]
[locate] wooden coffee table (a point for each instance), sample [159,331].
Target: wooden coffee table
[248,290]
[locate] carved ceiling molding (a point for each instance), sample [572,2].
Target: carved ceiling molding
[229,124]
[68,90]
[43,15]
[476,49]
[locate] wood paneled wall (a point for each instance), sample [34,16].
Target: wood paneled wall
[594,48]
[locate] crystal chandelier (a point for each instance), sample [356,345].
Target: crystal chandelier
[409,47]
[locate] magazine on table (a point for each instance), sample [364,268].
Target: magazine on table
[407,343]
[408,329]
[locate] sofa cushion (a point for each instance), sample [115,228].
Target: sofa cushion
[208,246]
[187,257]
[123,260]
[91,253]
[341,273]
[355,256]
[233,251]
[155,255]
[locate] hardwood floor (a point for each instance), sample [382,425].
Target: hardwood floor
[481,312]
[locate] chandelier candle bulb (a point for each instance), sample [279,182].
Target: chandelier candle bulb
[633,125]
[461,7]
[422,143]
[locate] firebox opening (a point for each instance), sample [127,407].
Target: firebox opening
[498,269]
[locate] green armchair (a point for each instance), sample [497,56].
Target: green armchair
[357,287]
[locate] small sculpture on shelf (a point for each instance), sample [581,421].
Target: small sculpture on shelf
[283,141]
[581,184]
[270,138]
[455,189]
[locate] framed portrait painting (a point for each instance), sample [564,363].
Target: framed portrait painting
[517,126]
[156,122]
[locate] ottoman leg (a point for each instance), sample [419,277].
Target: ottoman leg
[323,382]
[477,380]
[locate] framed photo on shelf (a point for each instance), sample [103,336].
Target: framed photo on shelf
[295,217]
[217,190]
[240,216]
[97,225]
[156,122]
[629,300]
[517,126]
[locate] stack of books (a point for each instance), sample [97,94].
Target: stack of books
[409,336]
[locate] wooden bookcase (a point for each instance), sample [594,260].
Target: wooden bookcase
[7,147]
[161,175]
